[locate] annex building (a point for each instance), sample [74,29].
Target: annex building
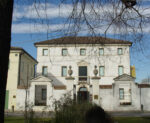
[20,71]
[93,69]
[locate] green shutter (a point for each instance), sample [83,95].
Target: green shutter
[6,99]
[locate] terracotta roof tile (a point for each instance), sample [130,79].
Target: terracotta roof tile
[82,40]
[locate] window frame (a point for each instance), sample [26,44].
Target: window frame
[121,51]
[120,94]
[103,71]
[43,70]
[100,53]
[43,52]
[62,51]
[42,97]
[81,50]
[122,70]
[62,71]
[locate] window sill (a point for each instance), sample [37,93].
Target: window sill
[125,103]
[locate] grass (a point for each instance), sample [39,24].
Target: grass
[132,119]
[116,119]
[21,120]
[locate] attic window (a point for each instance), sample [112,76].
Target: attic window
[120,51]
[82,52]
[45,52]
[64,52]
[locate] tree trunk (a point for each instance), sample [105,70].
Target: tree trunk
[6,10]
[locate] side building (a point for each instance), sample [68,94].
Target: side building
[21,69]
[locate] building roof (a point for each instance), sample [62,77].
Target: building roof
[124,77]
[21,49]
[82,40]
[56,84]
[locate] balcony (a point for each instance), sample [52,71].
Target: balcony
[84,79]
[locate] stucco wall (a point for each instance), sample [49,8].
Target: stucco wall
[106,99]
[145,98]
[13,79]
[26,69]
[111,60]
[21,96]
[135,102]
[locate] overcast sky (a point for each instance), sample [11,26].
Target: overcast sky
[34,22]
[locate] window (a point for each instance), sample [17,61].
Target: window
[101,70]
[43,94]
[120,70]
[120,52]
[45,52]
[44,71]
[101,51]
[64,71]
[121,93]
[82,52]
[64,52]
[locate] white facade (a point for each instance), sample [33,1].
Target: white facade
[98,73]
[110,60]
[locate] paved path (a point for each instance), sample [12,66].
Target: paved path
[130,114]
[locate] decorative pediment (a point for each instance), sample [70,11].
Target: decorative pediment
[82,63]
[56,84]
[124,77]
[41,79]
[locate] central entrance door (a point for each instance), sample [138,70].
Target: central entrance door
[83,94]
[82,73]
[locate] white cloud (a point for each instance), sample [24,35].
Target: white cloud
[50,11]
[44,28]
[43,11]
[37,28]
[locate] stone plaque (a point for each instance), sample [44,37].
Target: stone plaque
[96,97]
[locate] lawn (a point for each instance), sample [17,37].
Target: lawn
[21,120]
[132,119]
[116,120]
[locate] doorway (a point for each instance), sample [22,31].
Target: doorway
[83,95]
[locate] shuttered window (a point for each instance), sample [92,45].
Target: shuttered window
[101,51]
[120,70]
[64,71]
[45,52]
[120,51]
[121,93]
[64,52]
[44,71]
[101,70]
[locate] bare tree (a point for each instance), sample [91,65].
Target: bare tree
[98,17]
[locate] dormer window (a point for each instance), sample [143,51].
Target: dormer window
[82,52]
[120,51]
[64,52]
[45,52]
